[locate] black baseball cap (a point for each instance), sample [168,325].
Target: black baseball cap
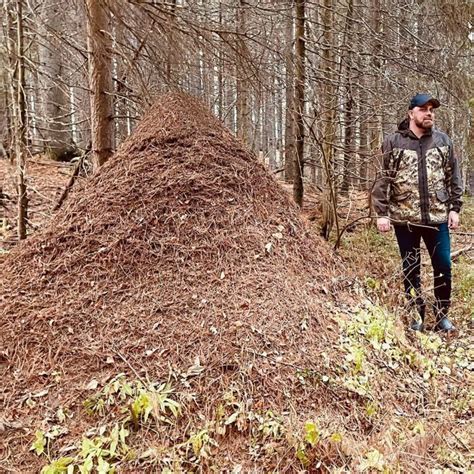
[419,100]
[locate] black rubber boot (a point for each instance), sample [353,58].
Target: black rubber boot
[418,324]
[444,325]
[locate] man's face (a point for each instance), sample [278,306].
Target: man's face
[423,116]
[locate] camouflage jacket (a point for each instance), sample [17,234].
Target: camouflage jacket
[420,180]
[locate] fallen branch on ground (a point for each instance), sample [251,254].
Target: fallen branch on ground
[70,183]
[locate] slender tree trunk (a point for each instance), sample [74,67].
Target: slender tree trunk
[170,60]
[230,108]
[100,81]
[375,124]
[259,122]
[264,127]
[269,121]
[299,101]
[6,110]
[20,123]
[54,94]
[82,99]
[290,92]
[243,89]
[349,135]
[364,138]
[329,104]
[279,121]
[220,72]
[121,88]
[364,148]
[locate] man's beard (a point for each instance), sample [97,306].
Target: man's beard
[425,124]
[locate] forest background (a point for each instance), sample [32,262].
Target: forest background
[311,87]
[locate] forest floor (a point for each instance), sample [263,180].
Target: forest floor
[46,180]
[286,357]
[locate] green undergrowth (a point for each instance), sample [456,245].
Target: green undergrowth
[105,446]
[373,340]
[414,384]
[139,409]
[463,289]
[392,379]
[400,379]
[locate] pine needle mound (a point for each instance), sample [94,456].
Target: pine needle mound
[182,248]
[181,276]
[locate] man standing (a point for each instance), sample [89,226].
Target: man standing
[419,192]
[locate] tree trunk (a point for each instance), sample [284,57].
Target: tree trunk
[349,135]
[100,81]
[375,123]
[299,101]
[279,128]
[54,94]
[243,89]
[364,148]
[20,122]
[329,104]
[220,72]
[290,92]
[6,113]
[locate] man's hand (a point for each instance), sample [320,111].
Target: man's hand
[453,220]
[383,224]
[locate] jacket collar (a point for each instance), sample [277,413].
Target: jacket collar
[408,133]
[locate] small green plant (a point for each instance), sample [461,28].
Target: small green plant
[60,466]
[114,392]
[373,461]
[154,400]
[40,442]
[357,356]
[138,399]
[201,443]
[102,453]
[311,438]
[312,433]
[271,426]
[43,439]
[372,283]
[371,409]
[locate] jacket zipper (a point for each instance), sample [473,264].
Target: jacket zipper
[423,187]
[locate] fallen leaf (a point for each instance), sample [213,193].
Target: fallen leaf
[92,385]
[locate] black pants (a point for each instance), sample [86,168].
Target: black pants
[438,244]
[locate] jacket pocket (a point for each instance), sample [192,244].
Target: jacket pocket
[442,195]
